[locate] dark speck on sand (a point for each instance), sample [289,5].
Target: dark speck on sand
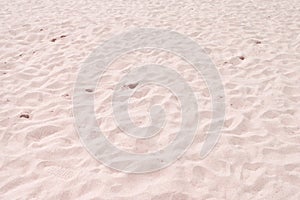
[89,90]
[24,116]
[258,42]
[242,57]
[133,85]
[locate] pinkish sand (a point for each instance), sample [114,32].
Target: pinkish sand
[255,45]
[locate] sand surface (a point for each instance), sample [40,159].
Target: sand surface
[255,45]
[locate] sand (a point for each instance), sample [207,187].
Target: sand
[255,45]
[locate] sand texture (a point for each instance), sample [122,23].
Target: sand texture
[254,44]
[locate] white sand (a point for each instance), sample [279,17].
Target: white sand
[258,155]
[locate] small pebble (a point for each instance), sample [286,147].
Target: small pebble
[24,116]
[258,42]
[89,90]
[133,85]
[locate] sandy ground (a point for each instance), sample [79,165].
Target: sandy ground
[254,44]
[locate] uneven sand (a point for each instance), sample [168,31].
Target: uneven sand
[255,45]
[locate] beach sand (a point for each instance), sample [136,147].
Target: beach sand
[255,45]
